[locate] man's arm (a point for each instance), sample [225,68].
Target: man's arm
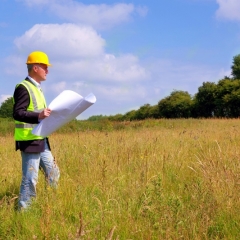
[21,102]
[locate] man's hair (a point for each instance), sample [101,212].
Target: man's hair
[30,67]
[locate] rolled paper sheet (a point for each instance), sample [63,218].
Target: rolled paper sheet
[65,107]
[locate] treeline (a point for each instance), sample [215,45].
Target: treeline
[219,100]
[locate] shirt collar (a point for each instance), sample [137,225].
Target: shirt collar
[34,82]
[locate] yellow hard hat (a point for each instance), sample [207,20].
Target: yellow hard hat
[38,57]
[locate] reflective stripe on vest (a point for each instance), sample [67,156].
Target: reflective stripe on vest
[25,125]
[34,100]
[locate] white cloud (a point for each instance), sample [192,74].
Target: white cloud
[62,40]
[56,88]
[19,63]
[169,75]
[99,16]
[124,68]
[122,93]
[78,53]
[104,69]
[228,9]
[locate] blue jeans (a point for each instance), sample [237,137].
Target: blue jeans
[30,166]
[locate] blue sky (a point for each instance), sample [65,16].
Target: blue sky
[127,53]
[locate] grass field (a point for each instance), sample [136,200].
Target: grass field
[155,179]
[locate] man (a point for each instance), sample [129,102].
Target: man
[28,110]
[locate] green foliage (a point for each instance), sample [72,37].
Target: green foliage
[227,98]
[129,115]
[204,100]
[96,117]
[142,112]
[6,109]
[236,67]
[177,105]
[117,117]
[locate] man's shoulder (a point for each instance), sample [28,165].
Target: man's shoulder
[20,90]
[22,84]
[20,87]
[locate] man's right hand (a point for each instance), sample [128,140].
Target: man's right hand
[45,113]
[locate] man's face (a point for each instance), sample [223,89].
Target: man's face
[41,71]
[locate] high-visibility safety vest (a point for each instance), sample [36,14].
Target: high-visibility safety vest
[23,131]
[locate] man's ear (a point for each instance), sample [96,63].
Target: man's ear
[35,68]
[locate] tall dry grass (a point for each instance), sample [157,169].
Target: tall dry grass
[156,179]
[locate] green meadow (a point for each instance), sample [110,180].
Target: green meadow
[151,179]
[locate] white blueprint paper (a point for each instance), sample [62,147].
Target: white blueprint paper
[65,107]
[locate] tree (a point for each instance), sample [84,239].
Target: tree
[117,117]
[96,117]
[177,105]
[6,109]
[204,100]
[154,112]
[143,112]
[236,67]
[228,98]
[129,115]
